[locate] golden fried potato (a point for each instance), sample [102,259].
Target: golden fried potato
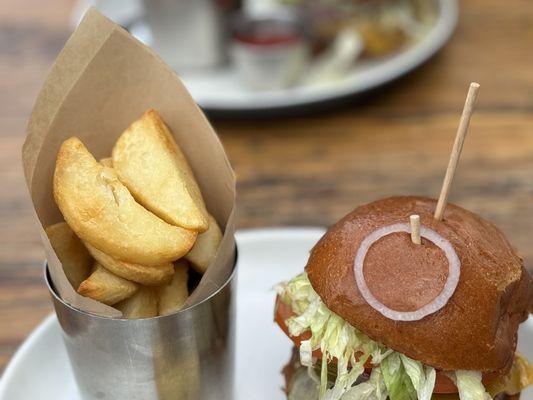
[152,166]
[145,275]
[205,249]
[381,39]
[173,295]
[73,255]
[106,287]
[142,304]
[107,162]
[102,212]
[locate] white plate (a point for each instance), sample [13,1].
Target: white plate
[221,90]
[40,368]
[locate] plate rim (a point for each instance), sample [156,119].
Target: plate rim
[25,348]
[252,234]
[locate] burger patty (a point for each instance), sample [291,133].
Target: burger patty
[300,386]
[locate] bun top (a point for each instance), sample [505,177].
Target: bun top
[475,330]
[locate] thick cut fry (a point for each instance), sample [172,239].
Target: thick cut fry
[107,162]
[142,304]
[153,167]
[205,249]
[102,212]
[173,295]
[106,287]
[146,275]
[73,255]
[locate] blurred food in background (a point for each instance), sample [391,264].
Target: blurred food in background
[190,33]
[316,41]
[385,26]
[270,51]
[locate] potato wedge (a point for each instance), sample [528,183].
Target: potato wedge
[173,295]
[152,166]
[74,257]
[106,287]
[107,162]
[102,212]
[205,249]
[145,275]
[142,304]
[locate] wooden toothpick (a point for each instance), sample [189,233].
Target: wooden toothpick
[456,151]
[415,229]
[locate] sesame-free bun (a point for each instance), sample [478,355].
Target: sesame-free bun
[475,330]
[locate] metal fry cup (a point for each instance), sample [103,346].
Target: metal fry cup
[186,355]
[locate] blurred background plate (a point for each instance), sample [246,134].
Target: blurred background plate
[221,89]
[40,369]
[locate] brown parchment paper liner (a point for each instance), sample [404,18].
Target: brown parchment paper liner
[102,81]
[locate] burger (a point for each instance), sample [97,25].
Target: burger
[377,316]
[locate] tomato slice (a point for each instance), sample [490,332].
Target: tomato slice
[282,313]
[443,384]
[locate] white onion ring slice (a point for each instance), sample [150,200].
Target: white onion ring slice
[454,271]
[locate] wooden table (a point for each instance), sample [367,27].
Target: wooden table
[309,170]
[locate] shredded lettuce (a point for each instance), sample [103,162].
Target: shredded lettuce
[393,374]
[306,353]
[397,381]
[376,379]
[363,391]
[470,385]
[422,378]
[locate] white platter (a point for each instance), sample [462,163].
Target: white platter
[40,368]
[221,90]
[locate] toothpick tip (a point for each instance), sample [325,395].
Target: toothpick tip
[475,85]
[415,228]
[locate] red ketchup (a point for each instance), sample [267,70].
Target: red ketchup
[267,33]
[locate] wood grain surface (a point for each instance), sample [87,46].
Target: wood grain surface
[312,169]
